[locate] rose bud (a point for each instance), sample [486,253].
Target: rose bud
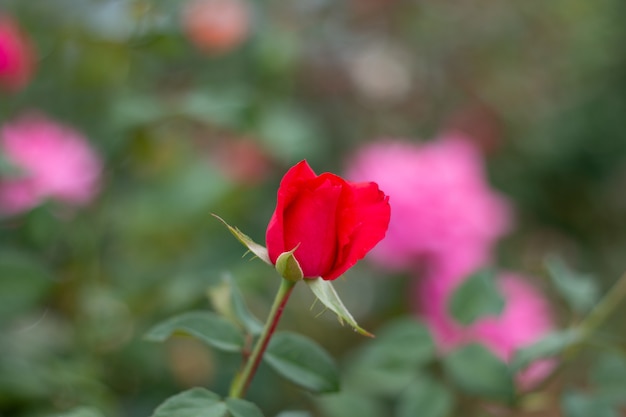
[330,222]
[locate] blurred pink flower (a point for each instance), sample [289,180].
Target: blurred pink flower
[216,26]
[443,210]
[16,56]
[526,318]
[54,161]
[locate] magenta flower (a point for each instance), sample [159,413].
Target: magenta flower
[444,211]
[16,56]
[52,160]
[526,318]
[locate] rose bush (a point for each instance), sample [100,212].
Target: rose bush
[331,222]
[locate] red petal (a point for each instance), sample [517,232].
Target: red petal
[288,190]
[311,222]
[363,222]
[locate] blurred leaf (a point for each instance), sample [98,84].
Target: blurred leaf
[407,340]
[258,250]
[551,345]
[228,301]
[580,291]
[295,414]
[203,325]
[278,51]
[478,371]
[349,403]
[81,412]
[476,297]
[303,362]
[109,20]
[99,64]
[390,362]
[609,378]
[289,133]
[132,111]
[23,282]
[425,398]
[199,402]
[224,108]
[325,292]
[582,405]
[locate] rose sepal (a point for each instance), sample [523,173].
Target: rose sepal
[259,250]
[326,294]
[288,266]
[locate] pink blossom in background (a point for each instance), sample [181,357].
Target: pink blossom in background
[54,161]
[217,26]
[526,318]
[443,210]
[16,56]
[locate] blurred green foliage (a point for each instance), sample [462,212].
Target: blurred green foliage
[539,85]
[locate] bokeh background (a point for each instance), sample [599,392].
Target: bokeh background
[189,108]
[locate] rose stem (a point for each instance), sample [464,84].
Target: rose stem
[600,313]
[604,308]
[242,380]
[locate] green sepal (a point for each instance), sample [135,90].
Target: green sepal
[288,267]
[326,294]
[259,250]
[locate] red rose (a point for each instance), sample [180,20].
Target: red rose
[333,222]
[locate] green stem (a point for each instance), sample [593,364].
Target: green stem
[604,308]
[587,327]
[242,380]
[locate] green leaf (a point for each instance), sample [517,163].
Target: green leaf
[407,340]
[288,267]
[229,302]
[303,362]
[476,297]
[199,402]
[287,131]
[580,291]
[326,294]
[609,378]
[221,107]
[349,403]
[242,408]
[575,404]
[203,325]
[81,412]
[295,413]
[259,250]
[551,345]
[477,371]
[425,398]
[23,282]
[390,362]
